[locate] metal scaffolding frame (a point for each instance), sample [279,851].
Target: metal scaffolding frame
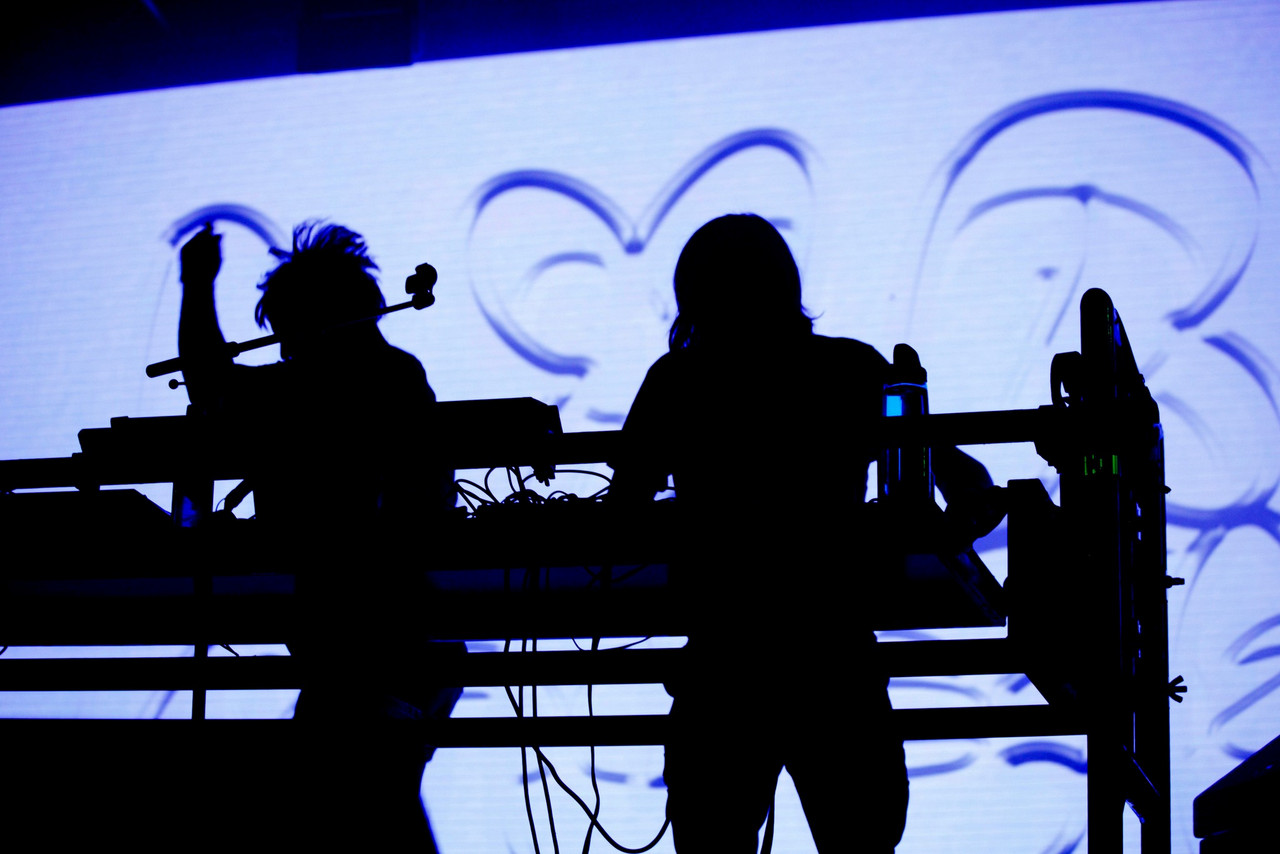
[1097,560]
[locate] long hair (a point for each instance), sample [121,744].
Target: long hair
[325,280]
[736,268]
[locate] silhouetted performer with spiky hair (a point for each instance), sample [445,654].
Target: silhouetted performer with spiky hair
[340,403]
[342,478]
[757,421]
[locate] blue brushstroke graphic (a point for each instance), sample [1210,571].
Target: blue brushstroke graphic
[1234,144]
[257,222]
[632,235]
[1046,751]
[920,771]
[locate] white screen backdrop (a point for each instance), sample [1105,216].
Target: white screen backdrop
[956,183]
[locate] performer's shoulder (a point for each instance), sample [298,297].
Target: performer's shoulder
[269,379]
[850,350]
[401,362]
[403,370]
[668,365]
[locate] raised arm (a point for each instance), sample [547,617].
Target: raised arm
[201,346]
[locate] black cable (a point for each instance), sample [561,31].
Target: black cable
[517,704]
[537,751]
[520,494]
[598,474]
[595,784]
[489,498]
[593,815]
[524,763]
[524,760]
[506,647]
[595,787]
[632,572]
[472,500]
[528,805]
[164,704]
[634,643]
[587,811]
[595,496]
[628,645]
[487,490]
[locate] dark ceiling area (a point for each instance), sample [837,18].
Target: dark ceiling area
[76,50]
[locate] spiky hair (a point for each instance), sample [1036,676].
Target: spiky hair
[327,277]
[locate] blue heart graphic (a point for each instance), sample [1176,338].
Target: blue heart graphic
[632,235]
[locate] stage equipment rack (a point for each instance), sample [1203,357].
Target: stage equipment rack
[1097,560]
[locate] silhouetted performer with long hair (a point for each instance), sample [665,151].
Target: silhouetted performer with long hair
[757,421]
[341,467]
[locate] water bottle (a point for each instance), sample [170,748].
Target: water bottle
[906,474]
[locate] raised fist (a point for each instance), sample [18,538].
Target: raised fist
[201,257]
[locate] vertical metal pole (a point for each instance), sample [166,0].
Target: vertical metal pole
[1100,510]
[192,501]
[1151,727]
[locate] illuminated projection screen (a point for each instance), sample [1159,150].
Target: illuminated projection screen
[953,182]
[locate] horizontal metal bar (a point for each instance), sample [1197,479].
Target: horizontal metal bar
[987,722]
[914,724]
[950,657]
[967,428]
[572,667]
[207,453]
[557,667]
